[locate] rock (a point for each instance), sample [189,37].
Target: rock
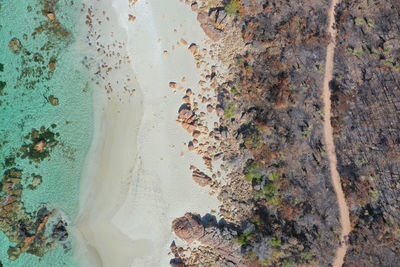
[188,228]
[60,232]
[186,99]
[193,48]
[131,18]
[188,119]
[53,100]
[196,134]
[183,41]
[190,146]
[39,146]
[173,85]
[208,27]
[15,45]
[194,6]
[207,161]
[51,16]
[201,178]
[177,264]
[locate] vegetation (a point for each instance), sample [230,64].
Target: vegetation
[234,91]
[233,7]
[271,194]
[374,194]
[230,111]
[245,238]
[254,172]
[275,242]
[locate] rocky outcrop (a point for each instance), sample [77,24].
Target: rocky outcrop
[209,26]
[201,178]
[191,229]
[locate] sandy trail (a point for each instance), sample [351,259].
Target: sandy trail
[330,146]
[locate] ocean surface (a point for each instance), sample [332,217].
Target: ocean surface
[44,88]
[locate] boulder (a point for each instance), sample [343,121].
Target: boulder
[201,178]
[188,228]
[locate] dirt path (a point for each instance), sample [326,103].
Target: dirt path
[330,146]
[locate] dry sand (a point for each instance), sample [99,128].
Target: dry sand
[136,180]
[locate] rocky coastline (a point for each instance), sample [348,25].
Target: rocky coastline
[277,201]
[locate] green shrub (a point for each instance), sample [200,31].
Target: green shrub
[271,194]
[233,7]
[245,238]
[229,110]
[253,172]
[275,242]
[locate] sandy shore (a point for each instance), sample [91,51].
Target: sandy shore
[137,177]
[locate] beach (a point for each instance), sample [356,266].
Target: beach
[137,178]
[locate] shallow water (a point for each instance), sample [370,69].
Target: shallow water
[49,63]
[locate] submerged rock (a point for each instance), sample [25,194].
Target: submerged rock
[15,45]
[53,100]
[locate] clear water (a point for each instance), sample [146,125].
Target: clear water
[24,105]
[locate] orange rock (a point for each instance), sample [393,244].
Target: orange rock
[193,48]
[40,146]
[173,85]
[51,16]
[131,17]
[183,41]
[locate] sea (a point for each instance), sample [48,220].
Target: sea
[44,85]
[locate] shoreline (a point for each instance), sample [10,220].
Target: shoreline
[141,145]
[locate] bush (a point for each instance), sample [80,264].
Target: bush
[233,7]
[253,172]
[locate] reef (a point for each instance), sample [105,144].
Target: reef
[39,231]
[26,230]
[41,143]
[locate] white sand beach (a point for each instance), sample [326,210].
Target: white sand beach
[137,177]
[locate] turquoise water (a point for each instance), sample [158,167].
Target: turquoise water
[49,64]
